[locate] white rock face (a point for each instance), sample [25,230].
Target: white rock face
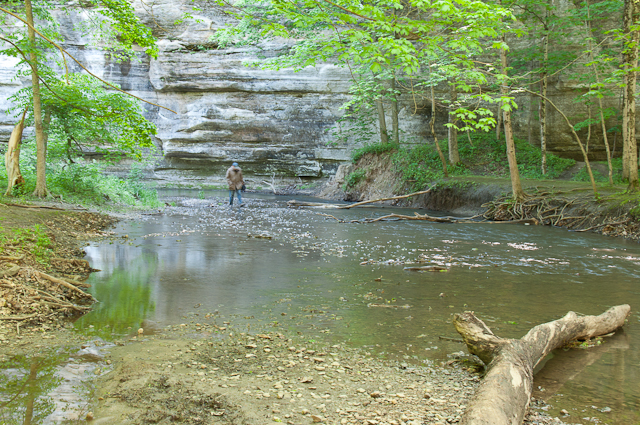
[269,121]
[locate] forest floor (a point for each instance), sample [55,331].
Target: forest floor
[203,371]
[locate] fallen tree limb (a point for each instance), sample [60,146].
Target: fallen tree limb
[74,261]
[393,198]
[504,394]
[427,269]
[6,258]
[18,318]
[65,284]
[295,203]
[35,206]
[76,283]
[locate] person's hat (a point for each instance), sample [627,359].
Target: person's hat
[235,164]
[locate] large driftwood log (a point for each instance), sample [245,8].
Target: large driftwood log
[505,392]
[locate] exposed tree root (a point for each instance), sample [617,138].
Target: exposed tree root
[579,213]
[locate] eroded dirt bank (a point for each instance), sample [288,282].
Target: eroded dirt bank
[559,203]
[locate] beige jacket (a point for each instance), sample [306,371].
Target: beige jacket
[234,178]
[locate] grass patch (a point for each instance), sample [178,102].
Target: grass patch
[373,148]
[33,240]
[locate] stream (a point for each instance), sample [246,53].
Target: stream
[301,270]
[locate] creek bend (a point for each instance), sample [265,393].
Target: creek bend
[299,270]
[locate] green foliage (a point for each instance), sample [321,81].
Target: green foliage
[84,116]
[354,178]
[373,148]
[85,183]
[420,166]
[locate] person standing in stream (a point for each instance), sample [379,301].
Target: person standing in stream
[235,182]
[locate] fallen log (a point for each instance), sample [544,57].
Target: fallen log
[8,258]
[18,318]
[294,203]
[427,269]
[65,284]
[357,204]
[505,392]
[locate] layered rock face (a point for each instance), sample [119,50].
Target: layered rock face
[271,122]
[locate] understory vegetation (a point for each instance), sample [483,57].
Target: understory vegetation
[84,182]
[480,154]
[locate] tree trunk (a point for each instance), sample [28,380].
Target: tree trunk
[12,158]
[384,138]
[543,103]
[600,105]
[505,392]
[41,161]
[587,163]
[630,62]
[454,155]
[499,123]
[516,186]
[432,125]
[395,131]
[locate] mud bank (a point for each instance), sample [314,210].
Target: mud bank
[560,203]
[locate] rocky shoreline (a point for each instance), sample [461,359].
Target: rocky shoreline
[206,371]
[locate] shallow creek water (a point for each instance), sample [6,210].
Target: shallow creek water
[298,269]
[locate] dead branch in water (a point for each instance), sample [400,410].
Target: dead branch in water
[294,203]
[505,392]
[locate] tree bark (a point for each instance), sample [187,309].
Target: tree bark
[600,105]
[395,131]
[384,138]
[630,62]
[454,155]
[12,158]
[543,103]
[504,394]
[41,160]
[516,185]
[432,125]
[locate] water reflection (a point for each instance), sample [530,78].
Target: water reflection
[125,297]
[26,383]
[51,388]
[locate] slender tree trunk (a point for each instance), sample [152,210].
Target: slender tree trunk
[516,185]
[600,106]
[604,134]
[384,138]
[630,62]
[543,103]
[41,162]
[577,139]
[395,131]
[12,157]
[499,123]
[454,155]
[432,125]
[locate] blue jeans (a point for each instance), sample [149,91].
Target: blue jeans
[237,192]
